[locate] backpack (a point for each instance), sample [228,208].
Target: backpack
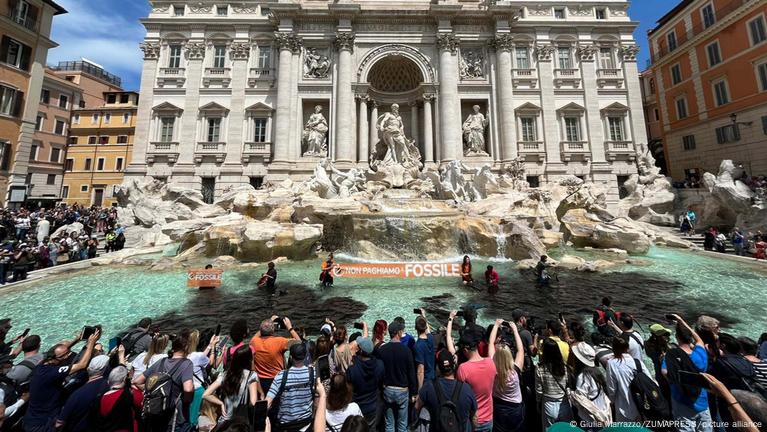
[130,339]
[447,417]
[121,416]
[158,390]
[274,408]
[749,382]
[600,316]
[11,395]
[588,409]
[648,397]
[678,360]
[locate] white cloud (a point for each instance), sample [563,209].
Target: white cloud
[104,31]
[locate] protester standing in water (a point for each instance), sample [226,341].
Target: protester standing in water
[466,271]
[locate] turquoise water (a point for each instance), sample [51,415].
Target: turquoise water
[116,297]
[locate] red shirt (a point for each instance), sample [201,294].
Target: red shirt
[109,399]
[480,375]
[491,276]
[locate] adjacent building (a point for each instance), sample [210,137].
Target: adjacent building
[100,147]
[228,88]
[708,81]
[49,144]
[25,28]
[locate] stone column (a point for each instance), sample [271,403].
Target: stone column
[414,122]
[449,103]
[286,42]
[344,133]
[142,138]
[364,131]
[587,54]
[508,147]
[636,113]
[551,138]
[188,136]
[428,133]
[373,130]
[236,135]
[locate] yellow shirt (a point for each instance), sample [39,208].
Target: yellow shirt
[564,348]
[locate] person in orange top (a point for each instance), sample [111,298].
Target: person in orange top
[326,277]
[466,271]
[269,350]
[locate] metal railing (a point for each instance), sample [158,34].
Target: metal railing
[697,28]
[90,69]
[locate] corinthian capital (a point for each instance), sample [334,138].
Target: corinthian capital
[629,53]
[587,52]
[344,41]
[448,42]
[544,52]
[240,50]
[288,40]
[151,50]
[195,50]
[502,42]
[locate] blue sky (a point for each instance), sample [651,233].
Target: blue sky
[108,32]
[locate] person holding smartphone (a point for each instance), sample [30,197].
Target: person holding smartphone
[45,389]
[689,403]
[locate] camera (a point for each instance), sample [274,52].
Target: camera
[417,311]
[359,326]
[278,324]
[670,318]
[459,314]
[218,330]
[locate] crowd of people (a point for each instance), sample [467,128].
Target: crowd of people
[742,243]
[31,240]
[514,375]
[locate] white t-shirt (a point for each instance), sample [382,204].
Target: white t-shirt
[138,362]
[635,349]
[587,386]
[200,362]
[336,419]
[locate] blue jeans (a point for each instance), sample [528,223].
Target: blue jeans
[691,421]
[484,427]
[554,411]
[396,398]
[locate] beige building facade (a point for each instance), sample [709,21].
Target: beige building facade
[229,91]
[25,28]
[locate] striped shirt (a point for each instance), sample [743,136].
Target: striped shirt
[296,400]
[760,372]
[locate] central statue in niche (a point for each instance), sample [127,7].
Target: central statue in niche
[396,160]
[474,133]
[315,136]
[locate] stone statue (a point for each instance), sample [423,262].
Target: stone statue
[393,135]
[315,134]
[396,160]
[514,174]
[474,133]
[485,182]
[321,183]
[315,65]
[348,183]
[471,65]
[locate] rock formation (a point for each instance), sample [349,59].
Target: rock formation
[443,214]
[650,194]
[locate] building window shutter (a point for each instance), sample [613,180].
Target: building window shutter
[26,56]
[4,48]
[17,111]
[720,135]
[764,125]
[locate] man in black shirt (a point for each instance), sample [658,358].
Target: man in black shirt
[400,385]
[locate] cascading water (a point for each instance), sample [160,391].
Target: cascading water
[500,244]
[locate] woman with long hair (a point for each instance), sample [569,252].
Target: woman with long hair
[379,332]
[158,350]
[550,384]
[237,385]
[466,271]
[341,355]
[621,370]
[237,333]
[508,407]
[339,403]
[589,382]
[199,350]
